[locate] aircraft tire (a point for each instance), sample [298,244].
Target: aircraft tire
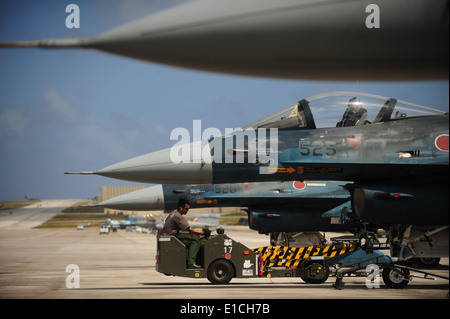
[220,272]
[395,278]
[428,262]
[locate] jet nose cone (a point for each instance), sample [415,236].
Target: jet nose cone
[151,198]
[159,167]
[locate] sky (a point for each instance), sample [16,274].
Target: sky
[83,110]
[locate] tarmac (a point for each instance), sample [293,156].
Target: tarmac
[50,263]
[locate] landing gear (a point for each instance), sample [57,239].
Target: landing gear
[425,242]
[396,278]
[300,239]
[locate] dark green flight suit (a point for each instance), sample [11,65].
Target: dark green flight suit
[173,224]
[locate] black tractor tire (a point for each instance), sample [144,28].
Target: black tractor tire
[323,272]
[220,272]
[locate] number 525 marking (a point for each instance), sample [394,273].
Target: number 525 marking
[317,148]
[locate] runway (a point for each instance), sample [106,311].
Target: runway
[121,265]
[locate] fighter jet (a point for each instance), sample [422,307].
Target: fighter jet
[271,207]
[310,39]
[144,221]
[395,152]
[151,221]
[374,139]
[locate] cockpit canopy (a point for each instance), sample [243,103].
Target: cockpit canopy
[340,109]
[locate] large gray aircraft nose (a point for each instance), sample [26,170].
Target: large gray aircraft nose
[159,168]
[299,39]
[151,198]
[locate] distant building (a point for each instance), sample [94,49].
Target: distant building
[107,192]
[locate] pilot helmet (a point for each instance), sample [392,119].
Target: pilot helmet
[354,103]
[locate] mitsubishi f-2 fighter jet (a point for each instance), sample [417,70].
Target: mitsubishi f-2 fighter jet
[395,154]
[272,207]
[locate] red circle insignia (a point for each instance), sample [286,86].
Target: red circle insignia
[299,185]
[441,142]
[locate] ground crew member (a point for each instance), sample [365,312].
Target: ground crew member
[176,222]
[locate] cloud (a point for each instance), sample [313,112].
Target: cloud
[13,121]
[36,126]
[13,126]
[58,106]
[64,132]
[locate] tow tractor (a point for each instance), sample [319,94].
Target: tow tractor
[222,259]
